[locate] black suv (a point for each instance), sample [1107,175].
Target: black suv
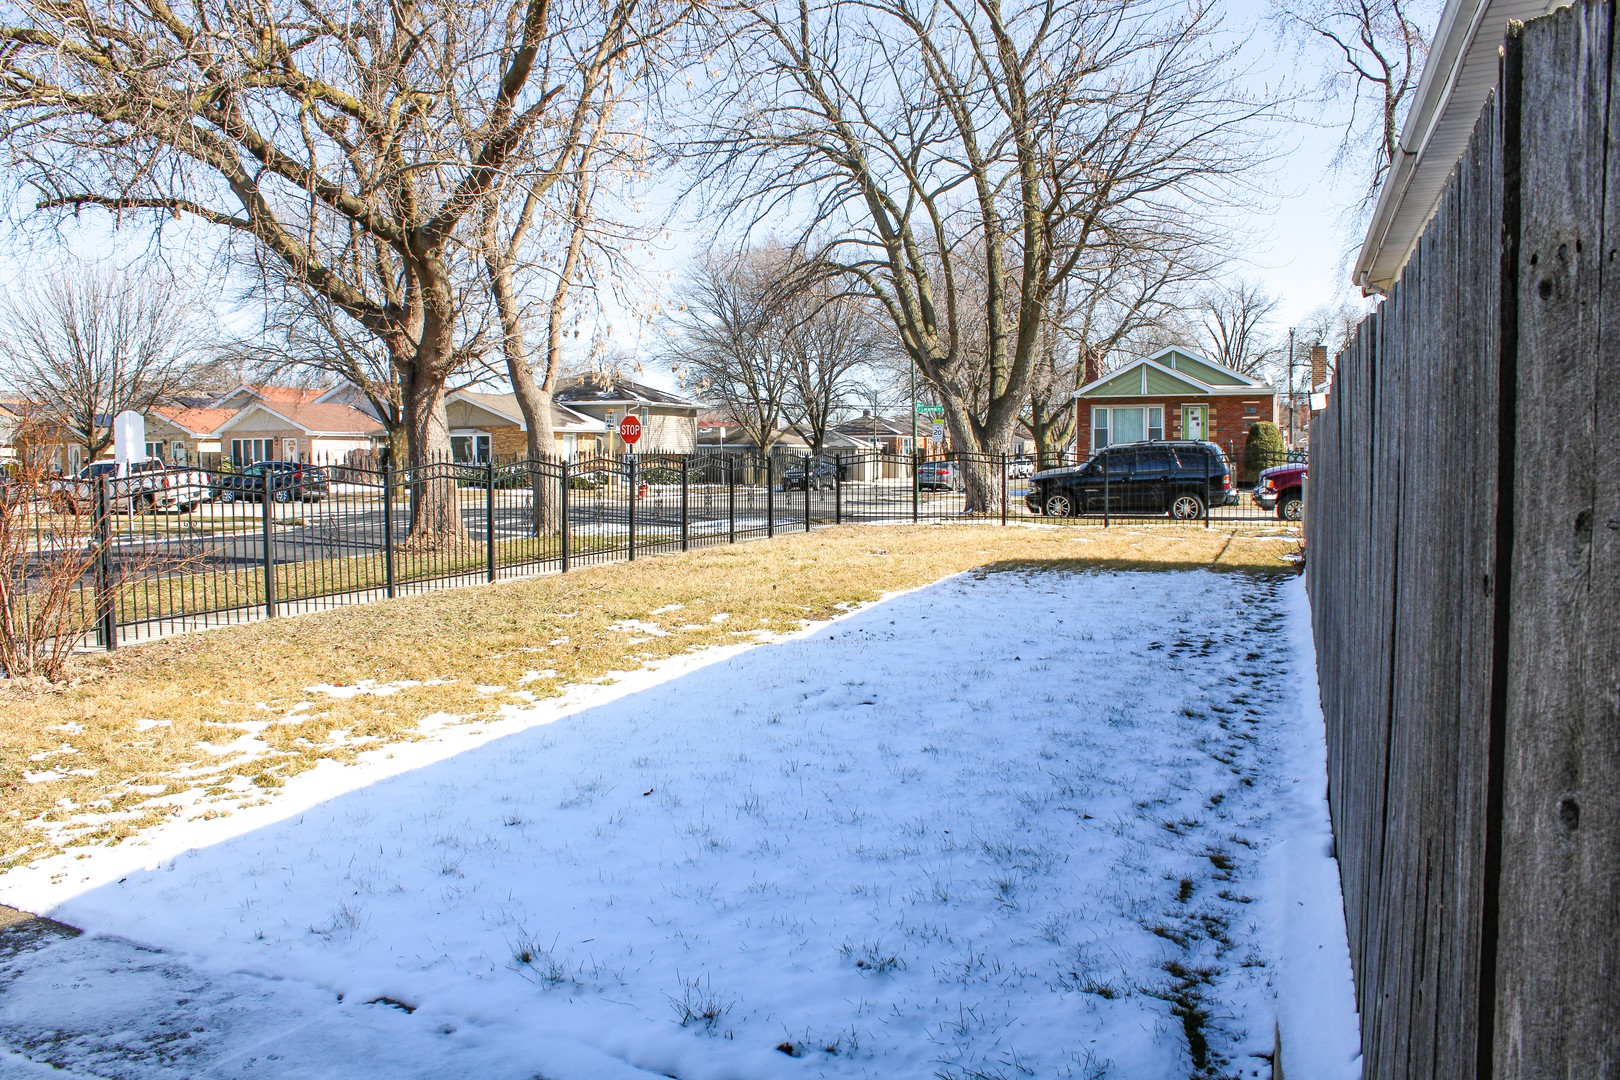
[1176,478]
[287,480]
[823,475]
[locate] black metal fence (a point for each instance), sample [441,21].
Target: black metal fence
[217,548]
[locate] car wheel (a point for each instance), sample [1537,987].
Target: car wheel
[282,496]
[227,496]
[1187,507]
[1290,507]
[1059,506]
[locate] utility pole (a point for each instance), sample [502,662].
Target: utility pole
[1290,387]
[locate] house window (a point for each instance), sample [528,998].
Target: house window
[154,449]
[469,447]
[247,451]
[1133,423]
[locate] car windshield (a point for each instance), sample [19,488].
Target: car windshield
[99,469]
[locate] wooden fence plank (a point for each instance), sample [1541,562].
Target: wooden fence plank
[1558,1012]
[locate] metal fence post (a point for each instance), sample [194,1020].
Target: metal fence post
[838,489]
[1207,499]
[563,525]
[731,499]
[807,492]
[686,516]
[267,500]
[1103,465]
[770,498]
[633,474]
[916,486]
[106,619]
[388,526]
[489,515]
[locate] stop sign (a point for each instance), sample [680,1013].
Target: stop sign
[630,429]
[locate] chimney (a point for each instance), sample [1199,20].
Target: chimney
[1319,366]
[1090,367]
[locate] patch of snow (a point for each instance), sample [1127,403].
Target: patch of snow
[1316,993]
[370,687]
[636,626]
[948,834]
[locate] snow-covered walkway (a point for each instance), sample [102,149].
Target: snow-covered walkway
[1010,825]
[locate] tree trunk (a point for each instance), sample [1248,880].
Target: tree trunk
[534,399]
[981,479]
[1051,430]
[435,501]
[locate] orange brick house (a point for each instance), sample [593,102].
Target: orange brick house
[1175,394]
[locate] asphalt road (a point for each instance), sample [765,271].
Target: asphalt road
[349,524]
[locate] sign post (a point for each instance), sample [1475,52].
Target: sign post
[630,432]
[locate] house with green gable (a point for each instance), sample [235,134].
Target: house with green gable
[1174,394]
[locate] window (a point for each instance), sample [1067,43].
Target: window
[1131,423]
[154,450]
[247,451]
[469,448]
[177,453]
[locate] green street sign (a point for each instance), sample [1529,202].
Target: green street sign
[931,410]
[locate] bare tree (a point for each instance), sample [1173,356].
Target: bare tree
[832,341]
[323,135]
[88,343]
[1333,325]
[927,136]
[1376,52]
[730,340]
[1236,329]
[1097,312]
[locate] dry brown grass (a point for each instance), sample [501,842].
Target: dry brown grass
[147,725]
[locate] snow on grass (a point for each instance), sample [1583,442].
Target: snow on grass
[1013,824]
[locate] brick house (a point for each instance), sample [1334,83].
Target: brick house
[183,435]
[281,431]
[1175,394]
[486,427]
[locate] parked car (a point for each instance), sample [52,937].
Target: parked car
[939,476]
[1282,487]
[139,483]
[1020,467]
[822,474]
[285,480]
[1180,479]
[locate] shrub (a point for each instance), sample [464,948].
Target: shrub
[1263,449]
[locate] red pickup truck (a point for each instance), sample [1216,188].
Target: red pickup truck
[1282,487]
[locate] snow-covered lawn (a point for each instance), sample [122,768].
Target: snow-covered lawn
[1010,825]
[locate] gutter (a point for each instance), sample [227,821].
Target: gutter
[1456,82]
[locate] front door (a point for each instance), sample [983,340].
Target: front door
[289,449]
[1193,427]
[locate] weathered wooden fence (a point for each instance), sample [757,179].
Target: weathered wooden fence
[1464,565]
